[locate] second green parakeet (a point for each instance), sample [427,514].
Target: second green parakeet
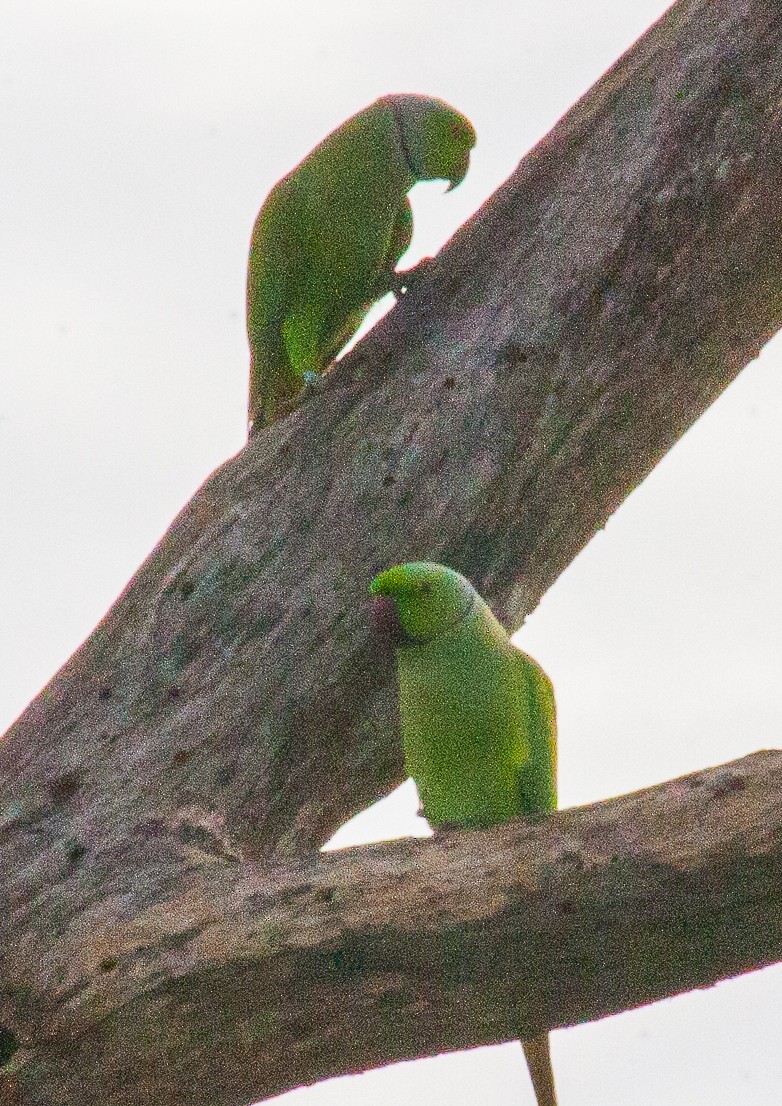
[329,235]
[477,714]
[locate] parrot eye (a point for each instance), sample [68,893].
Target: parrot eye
[425,587]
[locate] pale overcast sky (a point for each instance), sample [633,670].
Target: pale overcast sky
[139,140]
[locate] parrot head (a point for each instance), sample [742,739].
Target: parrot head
[436,139]
[416,602]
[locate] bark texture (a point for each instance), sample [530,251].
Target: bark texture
[253,979]
[230,703]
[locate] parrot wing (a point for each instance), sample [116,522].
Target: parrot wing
[275,262]
[538,773]
[274,273]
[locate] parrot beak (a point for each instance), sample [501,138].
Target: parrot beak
[460,171]
[385,622]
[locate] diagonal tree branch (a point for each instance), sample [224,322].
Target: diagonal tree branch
[230,702]
[561,344]
[253,979]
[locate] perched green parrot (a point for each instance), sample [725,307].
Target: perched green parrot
[478,716]
[329,235]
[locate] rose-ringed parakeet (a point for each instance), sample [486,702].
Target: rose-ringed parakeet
[477,714]
[329,235]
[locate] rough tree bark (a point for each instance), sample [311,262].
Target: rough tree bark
[229,712]
[253,979]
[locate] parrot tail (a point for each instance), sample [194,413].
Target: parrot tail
[538,1055]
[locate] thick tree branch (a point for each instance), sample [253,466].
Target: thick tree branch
[252,980]
[230,702]
[558,347]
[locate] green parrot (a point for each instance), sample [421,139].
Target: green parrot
[329,235]
[478,716]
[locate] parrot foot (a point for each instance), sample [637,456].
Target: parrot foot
[448,827]
[404,282]
[313,381]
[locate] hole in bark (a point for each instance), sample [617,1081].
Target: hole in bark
[449,382]
[104,694]
[187,589]
[109,964]
[727,784]
[64,787]
[347,961]
[511,355]
[75,850]
[182,756]
[566,908]
[8,1045]
[174,693]
[389,480]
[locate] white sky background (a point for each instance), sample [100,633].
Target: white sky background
[139,140]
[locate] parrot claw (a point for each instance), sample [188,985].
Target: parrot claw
[404,282]
[448,827]
[313,381]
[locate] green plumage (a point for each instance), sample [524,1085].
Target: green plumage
[477,714]
[327,240]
